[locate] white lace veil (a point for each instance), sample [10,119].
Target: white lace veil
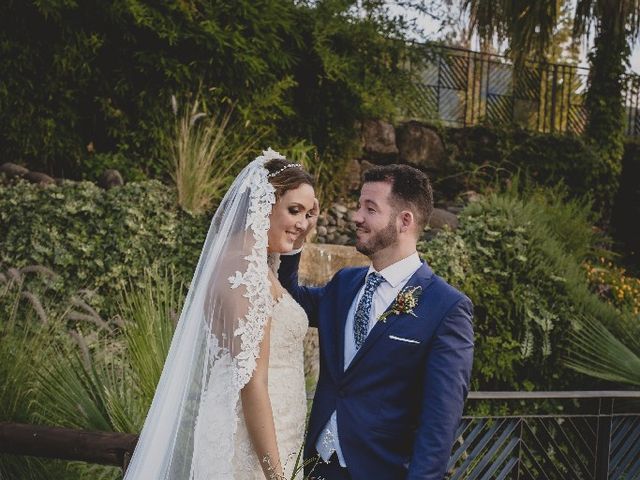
[190,428]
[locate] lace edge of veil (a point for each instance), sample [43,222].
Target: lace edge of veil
[255,278]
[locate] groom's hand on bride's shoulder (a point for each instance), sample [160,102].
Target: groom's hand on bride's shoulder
[312,220]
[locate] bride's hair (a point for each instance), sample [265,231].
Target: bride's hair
[285,176]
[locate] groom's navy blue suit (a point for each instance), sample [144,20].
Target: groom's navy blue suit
[398,403]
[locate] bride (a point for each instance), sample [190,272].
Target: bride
[230,403]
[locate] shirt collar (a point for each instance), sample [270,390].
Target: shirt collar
[395,273]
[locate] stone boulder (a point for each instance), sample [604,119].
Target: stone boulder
[364,166]
[353,176]
[40,178]
[379,138]
[110,178]
[440,218]
[12,170]
[420,146]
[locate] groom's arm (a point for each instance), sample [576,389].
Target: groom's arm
[307,297]
[446,384]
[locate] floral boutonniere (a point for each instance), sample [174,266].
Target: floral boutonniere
[405,302]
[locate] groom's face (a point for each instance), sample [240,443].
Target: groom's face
[375,219]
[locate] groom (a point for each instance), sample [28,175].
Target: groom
[396,344]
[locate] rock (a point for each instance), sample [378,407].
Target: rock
[341,223]
[340,208]
[110,178]
[379,139]
[343,240]
[322,220]
[40,178]
[421,146]
[322,231]
[440,218]
[319,263]
[470,196]
[430,234]
[330,237]
[364,166]
[353,176]
[331,221]
[13,170]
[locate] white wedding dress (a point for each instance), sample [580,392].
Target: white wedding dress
[195,427]
[286,390]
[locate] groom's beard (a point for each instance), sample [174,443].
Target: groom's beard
[378,241]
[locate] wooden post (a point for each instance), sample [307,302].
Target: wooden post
[105,448]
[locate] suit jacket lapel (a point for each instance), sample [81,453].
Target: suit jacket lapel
[345,299]
[421,277]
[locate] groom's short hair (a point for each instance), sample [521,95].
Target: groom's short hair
[410,189]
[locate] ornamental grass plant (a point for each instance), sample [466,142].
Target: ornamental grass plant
[27,326]
[205,152]
[68,370]
[113,387]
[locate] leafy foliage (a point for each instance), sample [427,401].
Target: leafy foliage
[550,159]
[519,258]
[87,85]
[529,26]
[102,73]
[484,157]
[614,285]
[97,239]
[604,102]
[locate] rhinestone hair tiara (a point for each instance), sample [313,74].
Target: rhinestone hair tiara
[283,169]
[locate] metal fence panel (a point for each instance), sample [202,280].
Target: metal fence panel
[458,87]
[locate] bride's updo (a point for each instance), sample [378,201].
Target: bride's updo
[285,176]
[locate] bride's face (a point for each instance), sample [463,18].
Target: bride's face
[289,217]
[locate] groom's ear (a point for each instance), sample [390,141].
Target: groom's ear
[407,221]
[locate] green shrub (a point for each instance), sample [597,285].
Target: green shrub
[484,157]
[96,239]
[102,74]
[89,84]
[549,159]
[95,164]
[519,259]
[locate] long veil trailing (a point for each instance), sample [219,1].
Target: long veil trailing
[190,428]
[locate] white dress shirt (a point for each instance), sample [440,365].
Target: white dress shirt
[395,278]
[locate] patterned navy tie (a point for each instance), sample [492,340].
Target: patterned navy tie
[363,312]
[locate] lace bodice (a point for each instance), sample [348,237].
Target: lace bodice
[286,392]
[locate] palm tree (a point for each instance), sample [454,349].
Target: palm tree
[528,26]
[598,353]
[617,25]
